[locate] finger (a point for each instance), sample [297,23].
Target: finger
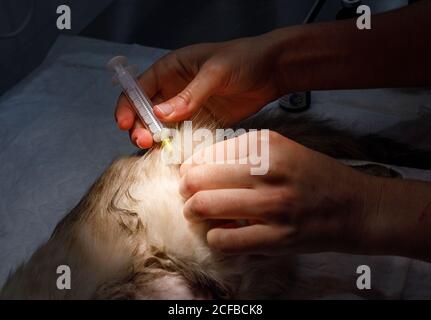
[187,102]
[254,239]
[149,83]
[230,204]
[157,98]
[125,114]
[234,150]
[140,136]
[215,176]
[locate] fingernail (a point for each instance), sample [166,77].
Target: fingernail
[135,141]
[138,144]
[164,108]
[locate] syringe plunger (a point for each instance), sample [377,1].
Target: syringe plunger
[138,98]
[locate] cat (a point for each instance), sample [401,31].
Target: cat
[128,239]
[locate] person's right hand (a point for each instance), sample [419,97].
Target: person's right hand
[232,80]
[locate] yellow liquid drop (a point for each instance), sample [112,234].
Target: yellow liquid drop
[166,143]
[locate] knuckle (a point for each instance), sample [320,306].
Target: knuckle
[165,64]
[215,68]
[198,205]
[276,172]
[278,202]
[286,235]
[185,96]
[221,241]
[283,197]
[189,183]
[195,177]
[213,239]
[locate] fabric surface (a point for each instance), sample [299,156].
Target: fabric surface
[57,134]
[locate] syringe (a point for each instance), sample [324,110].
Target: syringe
[138,99]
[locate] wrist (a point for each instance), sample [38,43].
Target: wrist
[297,52]
[397,221]
[360,228]
[389,223]
[275,46]
[321,56]
[366,234]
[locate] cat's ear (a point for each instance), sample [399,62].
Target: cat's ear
[159,286]
[155,275]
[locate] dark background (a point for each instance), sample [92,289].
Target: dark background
[158,23]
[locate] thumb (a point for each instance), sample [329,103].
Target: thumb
[190,100]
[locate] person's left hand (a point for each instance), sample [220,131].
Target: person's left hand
[307,202]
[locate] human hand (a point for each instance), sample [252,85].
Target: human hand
[231,79]
[307,202]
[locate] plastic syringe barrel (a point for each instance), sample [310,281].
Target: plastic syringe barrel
[137,98]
